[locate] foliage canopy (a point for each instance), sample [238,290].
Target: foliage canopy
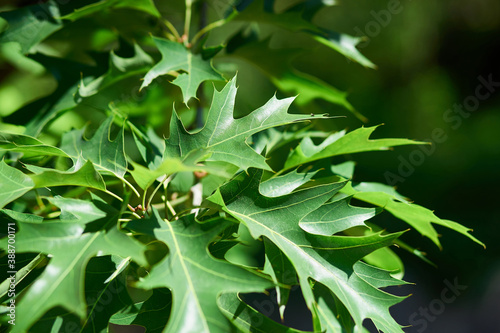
[117,224]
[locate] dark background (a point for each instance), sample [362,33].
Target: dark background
[429,57]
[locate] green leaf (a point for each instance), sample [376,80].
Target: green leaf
[145,177]
[387,260]
[416,216]
[246,318]
[75,210]
[13,184]
[104,297]
[85,176]
[336,216]
[145,313]
[282,272]
[62,281]
[141,5]
[195,278]
[346,45]
[22,217]
[340,143]
[55,106]
[27,145]
[119,69]
[277,66]
[293,20]
[329,260]
[106,155]
[176,57]
[225,137]
[285,184]
[30,25]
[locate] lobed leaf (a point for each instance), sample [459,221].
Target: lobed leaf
[62,281]
[225,137]
[27,145]
[416,216]
[108,156]
[329,260]
[176,57]
[340,143]
[195,278]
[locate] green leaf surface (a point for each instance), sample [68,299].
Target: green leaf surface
[141,5]
[119,69]
[145,313]
[27,145]
[13,184]
[277,65]
[329,260]
[176,57]
[30,25]
[246,318]
[225,137]
[387,260]
[195,278]
[22,217]
[106,155]
[85,176]
[62,281]
[279,267]
[293,20]
[336,216]
[51,111]
[284,184]
[340,143]
[75,210]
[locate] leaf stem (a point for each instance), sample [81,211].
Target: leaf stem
[131,186]
[171,209]
[212,26]
[172,29]
[164,182]
[113,195]
[187,22]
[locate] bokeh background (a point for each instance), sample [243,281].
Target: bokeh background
[430,55]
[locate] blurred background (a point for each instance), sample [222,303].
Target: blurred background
[438,72]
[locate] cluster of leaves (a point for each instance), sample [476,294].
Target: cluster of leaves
[119,226]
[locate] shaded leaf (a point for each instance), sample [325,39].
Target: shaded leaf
[146,313]
[85,176]
[30,25]
[142,5]
[13,184]
[75,210]
[293,20]
[62,281]
[246,318]
[176,57]
[119,69]
[387,260]
[277,66]
[106,155]
[195,278]
[27,145]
